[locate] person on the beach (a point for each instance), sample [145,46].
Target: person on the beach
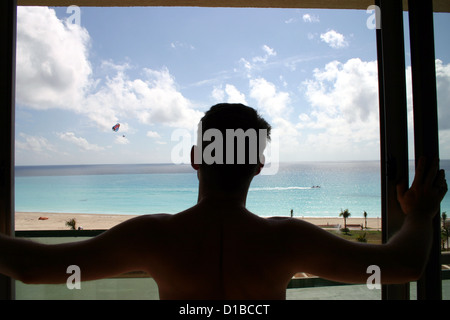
[217,249]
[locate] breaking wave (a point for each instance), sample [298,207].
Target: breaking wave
[282,188]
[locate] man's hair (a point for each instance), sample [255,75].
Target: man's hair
[246,131]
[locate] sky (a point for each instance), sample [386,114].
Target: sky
[312,74]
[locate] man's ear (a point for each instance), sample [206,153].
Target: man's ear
[260,166]
[262,159]
[194,150]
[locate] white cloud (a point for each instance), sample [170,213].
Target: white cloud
[161,102]
[35,144]
[257,63]
[344,111]
[307,18]
[53,71]
[234,95]
[52,68]
[349,88]
[152,100]
[443,93]
[334,39]
[343,121]
[82,143]
[153,134]
[290,20]
[310,18]
[247,65]
[181,45]
[218,94]
[121,140]
[230,95]
[268,52]
[271,101]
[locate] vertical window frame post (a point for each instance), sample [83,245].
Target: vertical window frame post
[393,124]
[8,9]
[426,135]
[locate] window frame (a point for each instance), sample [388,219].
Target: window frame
[393,126]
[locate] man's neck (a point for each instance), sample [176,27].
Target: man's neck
[222,197]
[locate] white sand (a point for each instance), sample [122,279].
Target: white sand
[57,221]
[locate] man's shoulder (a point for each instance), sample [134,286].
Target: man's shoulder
[147,220]
[284,221]
[291,225]
[276,219]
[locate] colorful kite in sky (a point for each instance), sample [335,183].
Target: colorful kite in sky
[116,127]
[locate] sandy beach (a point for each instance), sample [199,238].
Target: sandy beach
[57,221]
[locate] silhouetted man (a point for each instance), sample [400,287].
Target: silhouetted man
[217,249]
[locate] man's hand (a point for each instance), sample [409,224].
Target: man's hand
[427,191]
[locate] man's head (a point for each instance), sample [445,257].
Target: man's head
[231,138]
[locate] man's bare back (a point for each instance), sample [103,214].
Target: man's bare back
[220,252]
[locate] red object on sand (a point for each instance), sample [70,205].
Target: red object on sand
[43,218]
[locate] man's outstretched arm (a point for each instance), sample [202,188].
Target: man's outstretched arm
[402,259]
[115,251]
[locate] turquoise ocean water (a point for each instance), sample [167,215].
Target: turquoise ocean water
[147,189]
